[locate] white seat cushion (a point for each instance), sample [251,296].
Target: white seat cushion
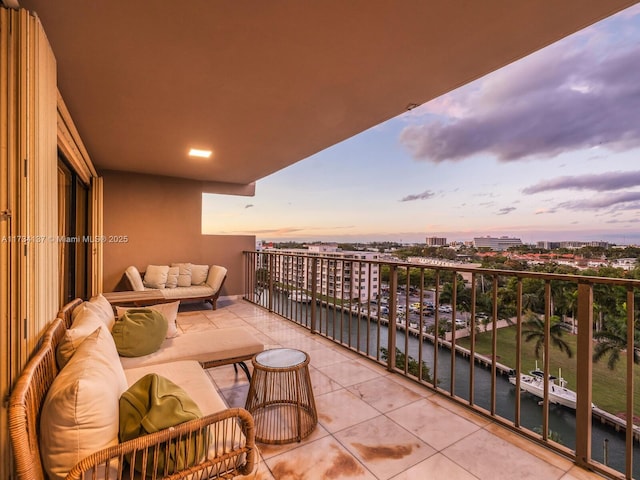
[207,346]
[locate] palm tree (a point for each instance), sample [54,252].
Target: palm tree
[612,343]
[534,329]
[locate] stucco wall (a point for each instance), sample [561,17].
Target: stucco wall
[157,220]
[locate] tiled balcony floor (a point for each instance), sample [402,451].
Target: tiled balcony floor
[374,424]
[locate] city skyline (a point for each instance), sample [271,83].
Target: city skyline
[544,149]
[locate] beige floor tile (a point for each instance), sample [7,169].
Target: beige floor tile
[228,322]
[321,383]
[436,467]
[577,473]
[533,448]
[322,356]
[411,385]
[319,460]
[236,397]
[432,423]
[225,377]
[384,394]
[489,457]
[384,447]
[262,472]
[348,373]
[342,409]
[269,451]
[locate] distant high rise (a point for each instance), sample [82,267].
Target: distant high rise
[436,241]
[499,244]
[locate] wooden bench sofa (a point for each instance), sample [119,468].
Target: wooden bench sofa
[224,437]
[136,288]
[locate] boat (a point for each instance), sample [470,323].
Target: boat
[533,383]
[300,297]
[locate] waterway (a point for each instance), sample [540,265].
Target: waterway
[353,330]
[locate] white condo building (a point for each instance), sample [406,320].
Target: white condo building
[496,243]
[339,274]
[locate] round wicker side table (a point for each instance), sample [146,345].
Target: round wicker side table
[281,397]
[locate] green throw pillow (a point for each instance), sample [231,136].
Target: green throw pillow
[155,403]
[139,331]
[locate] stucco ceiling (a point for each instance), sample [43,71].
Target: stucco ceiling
[265,84]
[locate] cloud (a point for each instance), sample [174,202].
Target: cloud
[420,196]
[623,201]
[559,99]
[248,205]
[541,211]
[506,210]
[631,220]
[600,182]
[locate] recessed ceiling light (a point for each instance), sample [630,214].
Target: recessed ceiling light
[194,152]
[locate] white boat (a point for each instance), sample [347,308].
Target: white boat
[534,384]
[300,297]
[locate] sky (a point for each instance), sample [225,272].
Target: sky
[546,148]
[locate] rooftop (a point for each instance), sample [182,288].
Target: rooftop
[374,424]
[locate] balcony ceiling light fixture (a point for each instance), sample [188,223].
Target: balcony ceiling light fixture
[194,152]
[411,106]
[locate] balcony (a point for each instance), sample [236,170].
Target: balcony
[395,344]
[375,424]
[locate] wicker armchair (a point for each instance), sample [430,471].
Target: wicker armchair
[229,444]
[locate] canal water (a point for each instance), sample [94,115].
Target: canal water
[352,330]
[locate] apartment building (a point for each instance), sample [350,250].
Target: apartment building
[343,275]
[496,243]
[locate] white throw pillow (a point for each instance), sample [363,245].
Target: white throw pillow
[80,414]
[86,322]
[172,277]
[184,274]
[156,276]
[135,279]
[170,312]
[100,306]
[199,274]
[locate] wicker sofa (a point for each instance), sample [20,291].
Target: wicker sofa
[46,445]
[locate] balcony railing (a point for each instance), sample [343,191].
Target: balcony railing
[417,315]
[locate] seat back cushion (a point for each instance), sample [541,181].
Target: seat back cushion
[101,306]
[139,331]
[156,276]
[170,312]
[216,276]
[172,277]
[135,279]
[80,413]
[184,274]
[85,323]
[199,274]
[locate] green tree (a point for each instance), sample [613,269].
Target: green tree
[533,329]
[413,366]
[612,341]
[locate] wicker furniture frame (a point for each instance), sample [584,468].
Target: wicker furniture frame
[232,430]
[281,396]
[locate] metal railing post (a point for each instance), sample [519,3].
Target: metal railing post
[271,273]
[584,374]
[314,293]
[393,302]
